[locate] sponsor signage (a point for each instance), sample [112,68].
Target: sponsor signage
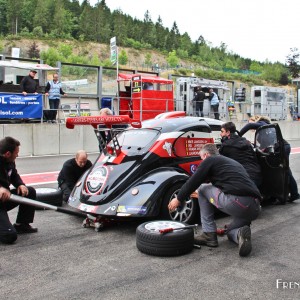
[137,84]
[21,107]
[113,50]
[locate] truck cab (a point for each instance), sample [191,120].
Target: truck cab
[143,96]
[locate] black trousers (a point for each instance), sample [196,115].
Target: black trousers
[199,108]
[8,233]
[66,191]
[216,111]
[54,105]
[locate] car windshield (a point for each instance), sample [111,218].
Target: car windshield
[137,139]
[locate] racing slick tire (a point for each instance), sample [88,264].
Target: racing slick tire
[150,241]
[50,196]
[187,213]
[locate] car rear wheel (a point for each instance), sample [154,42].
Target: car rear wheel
[187,213]
[150,241]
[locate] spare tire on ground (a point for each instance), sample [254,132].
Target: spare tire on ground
[50,196]
[178,242]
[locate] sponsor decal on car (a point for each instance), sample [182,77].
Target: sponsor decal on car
[87,208]
[193,168]
[132,209]
[96,180]
[168,147]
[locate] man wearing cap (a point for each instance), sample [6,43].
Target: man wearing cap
[29,84]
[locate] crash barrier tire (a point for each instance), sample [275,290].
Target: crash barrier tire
[150,241]
[187,213]
[50,196]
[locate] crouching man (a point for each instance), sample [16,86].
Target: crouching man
[230,190]
[9,150]
[71,171]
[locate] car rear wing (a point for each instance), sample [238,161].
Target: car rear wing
[107,121]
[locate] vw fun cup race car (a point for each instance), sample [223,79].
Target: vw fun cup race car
[144,166]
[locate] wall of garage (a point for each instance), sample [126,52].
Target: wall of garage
[51,139]
[55,139]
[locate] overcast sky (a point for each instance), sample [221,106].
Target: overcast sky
[256,29]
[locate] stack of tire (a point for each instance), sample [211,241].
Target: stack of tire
[150,240]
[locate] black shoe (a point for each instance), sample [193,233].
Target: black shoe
[25,228]
[207,239]
[277,202]
[294,197]
[244,239]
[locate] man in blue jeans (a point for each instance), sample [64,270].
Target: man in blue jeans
[230,190]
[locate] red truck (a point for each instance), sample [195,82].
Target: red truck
[143,96]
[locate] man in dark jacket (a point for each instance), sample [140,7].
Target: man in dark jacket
[9,150]
[241,150]
[259,121]
[230,190]
[71,171]
[198,100]
[29,84]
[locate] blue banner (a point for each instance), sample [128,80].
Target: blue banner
[21,107]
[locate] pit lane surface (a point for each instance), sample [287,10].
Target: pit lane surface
[65,261]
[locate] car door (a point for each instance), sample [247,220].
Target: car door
[269,146]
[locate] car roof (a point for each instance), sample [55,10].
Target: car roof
[178,123]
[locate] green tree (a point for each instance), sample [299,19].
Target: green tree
[185,44]
[27,13]
[148,58]
[292,61]
[123,58]
[38,31]
[172,39]
[284,79]
[65,50]
[51,56]
[160,38]
[3,16]
[102,23]
[256,67]
[33,51]
[13,10]
[86,23]
[42,15]
[172,59]
[119,27]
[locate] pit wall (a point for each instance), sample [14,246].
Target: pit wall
[55,139]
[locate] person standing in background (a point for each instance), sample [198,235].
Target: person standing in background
[214,103]
[198,100]
[54,91]
[29,84]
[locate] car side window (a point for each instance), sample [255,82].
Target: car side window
[266,140]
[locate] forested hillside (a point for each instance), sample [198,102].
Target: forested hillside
[65,30]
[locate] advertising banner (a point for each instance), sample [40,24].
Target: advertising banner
[21,107]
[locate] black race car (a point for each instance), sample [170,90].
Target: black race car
[143,167]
